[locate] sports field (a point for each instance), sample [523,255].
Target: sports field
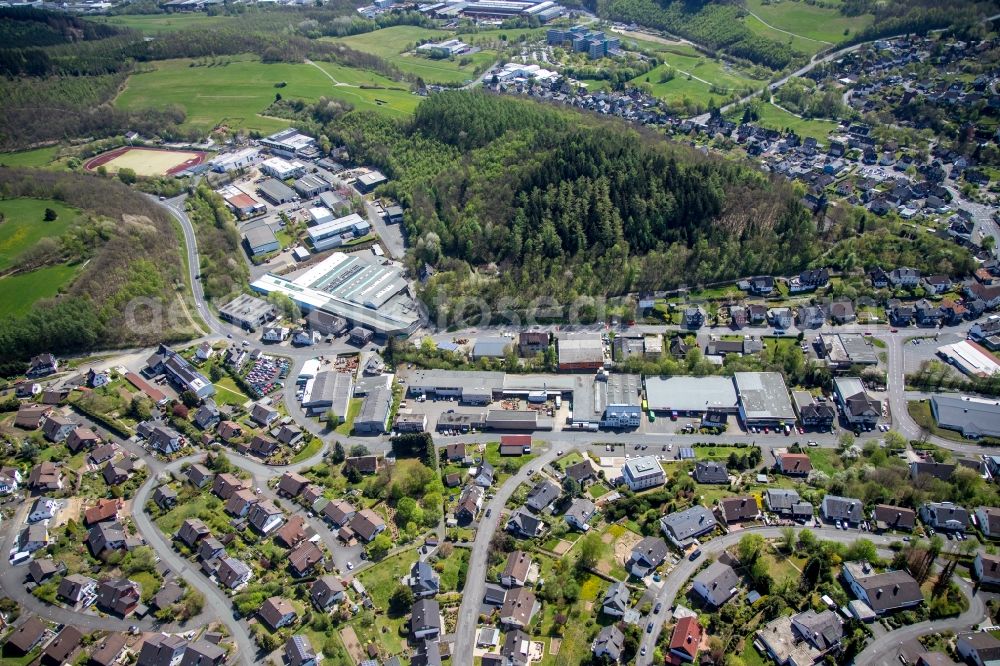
[24,225]
[236,94]
[146,161]
[396,45]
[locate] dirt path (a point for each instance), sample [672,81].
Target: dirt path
[810,39]
[329,76]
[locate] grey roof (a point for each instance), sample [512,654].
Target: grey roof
[823,630]
[331,389]
[945,515]
[763,395]
[886,591]
[710,472]
[841,508]
[719,581]
[617,597]
[543,494]
[260,236]
[969,415]
[426,615]
[581,510]
[524,523]
[491,347]
[276,190]
[681,526]
[781,499]
[375,409]
[652,550]
[690,394]
[609,640]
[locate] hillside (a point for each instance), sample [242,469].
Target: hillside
[122,261]
[511,199]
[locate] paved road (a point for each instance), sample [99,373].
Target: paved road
[884,650]
[215,599]
[475,585]
[678,578]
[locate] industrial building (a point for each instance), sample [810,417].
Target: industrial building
[291,143]
[517,419]
[247,312]
[472,388]
[277,192]
[310,185]
[241,159]
[180,372]
[445,49]
[260,239]
[367,182]
[580,351]
[971,416]
[335,233]
[243,205]
[282,169]
[691,395]
[970,358]
[373,419]
[336,203]
[353,287]
[497,9]
[328,391]
[763,399]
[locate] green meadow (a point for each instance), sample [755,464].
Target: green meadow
[237,93]
[704,73]
[396,45]
[154,24]
[24,225]
[18,293]
[779,119]
[36,158]
[814,28]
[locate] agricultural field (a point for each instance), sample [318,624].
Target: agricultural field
[396,43]
[155,24]
[818,27]
[236,94]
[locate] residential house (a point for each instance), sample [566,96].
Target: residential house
[484,476]
[542,494]
[101,454]
[60,650]
[882,592]
[240,503]
[42,569]
[469,503]
[161,438]
[738,509]
[42,366]
[119,596]
[422,580]
[28,635]
[292,483]
[683,527]
[646,556]
[425,619]
[579,513]
[716,584]
[930,468]
[845,509]
[988,519]
[326,592]
[524,525]
[609,642]
[57,428]
[109,651]
[229,431]
[114,474]
[455,453]
[530,343]
[694,317]
[364,464]
[199,475]
[208,415]
[979,648]
[581,472]
[367,525]
[203,653]
[82,438]
[686,639]
[43,508]
[224,485]
[265,517]
[299,651]
[209,549]
[277,612]
[927,314]
[518,609]
[295,531]
[45,477]
[710,472]
[339,512]
[616,600]
[987,568]
[761,285]
[811,316]
[888,517]
[841,312]
[795,464]
[904,277]
[515,573]
[76,589]
[304,557]
[162,650]
[192,531]
[944,516]
[937,284]
[32,538]
[781,318]
[104,510]
[263,415]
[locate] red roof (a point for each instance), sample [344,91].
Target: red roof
[242,201]
[154,394]
[796,463]
[686,637]
[515,440]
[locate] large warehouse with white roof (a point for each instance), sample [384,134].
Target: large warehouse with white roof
[691,395]
[351,286]
[763,399]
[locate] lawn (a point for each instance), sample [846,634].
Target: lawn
[683,87]
[382,578]
[396,44]
[799,44]
[825,460]
[775,118]
[452,567]
[171,521]
[24,225]
[920,411]
[309,450]
[155,24]
[149,584]
[810,21]
[353,409]
[18,293]
[38,157]
[236,94]
[227,393]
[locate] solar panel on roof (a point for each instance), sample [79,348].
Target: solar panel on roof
[687,453]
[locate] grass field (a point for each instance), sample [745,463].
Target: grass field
[154,24]
[824,26]
[236,94]
[700,67]
[19,292]
[24,225]
[775,118]
[29,158]
[396,43]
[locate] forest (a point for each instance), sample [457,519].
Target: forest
[132,254]
[512,199]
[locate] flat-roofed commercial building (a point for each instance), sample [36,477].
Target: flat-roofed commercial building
[691,395]
[290,143]
[842,350]
[580,351]
[971,416]
[644,472]
[763,399]
[352,286]
[260,239]
[335,233]
[247,311]
[328,391]
[970,358]
[474,388]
